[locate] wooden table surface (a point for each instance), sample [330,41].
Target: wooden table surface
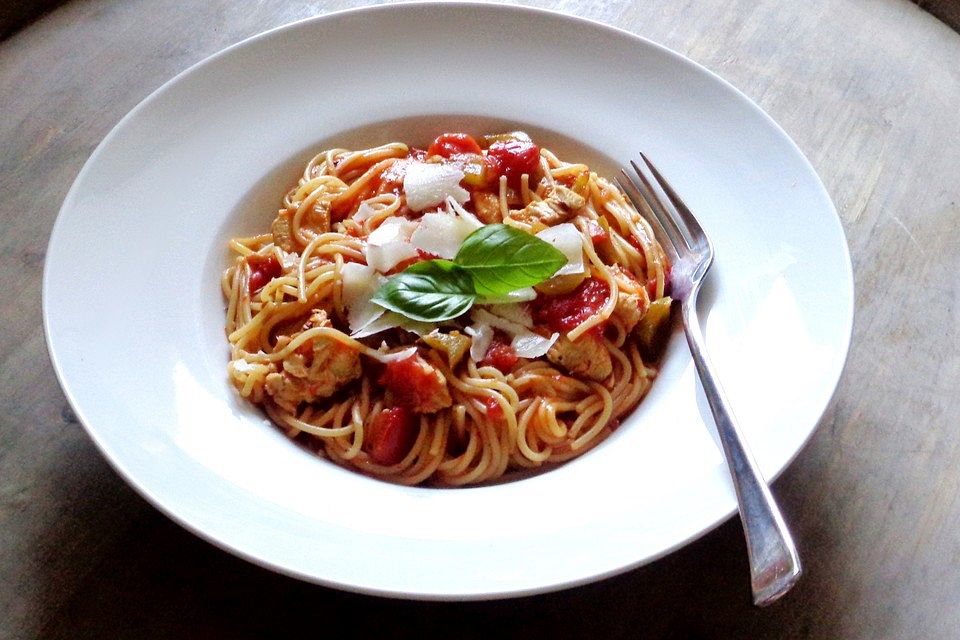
[869,89]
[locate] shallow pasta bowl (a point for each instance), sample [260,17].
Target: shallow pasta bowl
[134,314]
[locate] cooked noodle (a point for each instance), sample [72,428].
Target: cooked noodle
[293,354]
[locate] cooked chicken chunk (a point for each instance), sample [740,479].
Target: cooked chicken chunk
[541,211]
[487,207]
[569,198]
[282,235]
[314,371]
[587,357]
[628,310]
[317,220]
[559,205]
[632,299]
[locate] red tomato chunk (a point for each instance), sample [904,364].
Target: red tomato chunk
[563,313]
[451,144]
[392,435]
[493,409]
[513,158]
[412,383]
[597,233]
[500,355]
[263,269]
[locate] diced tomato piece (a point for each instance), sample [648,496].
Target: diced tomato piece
[500,355]
[450,144]
[426,255]
[341,209]
[597,233]
[263,269]
[412,382]
[493,409]
[392,435]
[564,312]
[513,158]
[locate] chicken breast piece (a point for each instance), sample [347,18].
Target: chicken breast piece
[560,205]
[566,197]
[316,370]
[587,357]
[487,207]
[282,234]
[632,299]
[317,219]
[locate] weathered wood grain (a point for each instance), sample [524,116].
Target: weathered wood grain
[869,90]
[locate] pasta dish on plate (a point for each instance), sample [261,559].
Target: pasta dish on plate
[444,316]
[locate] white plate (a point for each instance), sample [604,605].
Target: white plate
[134,316]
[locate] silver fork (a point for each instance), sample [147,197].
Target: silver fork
[774,563]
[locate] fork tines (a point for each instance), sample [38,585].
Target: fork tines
[671,219]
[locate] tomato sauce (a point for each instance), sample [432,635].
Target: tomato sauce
[597,233]
[565,312]
[500,355]
[493,409]
[263,269]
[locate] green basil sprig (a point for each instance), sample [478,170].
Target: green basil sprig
[493,260]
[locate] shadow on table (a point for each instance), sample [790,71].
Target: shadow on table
[947,10]
[16,14]
[159,581]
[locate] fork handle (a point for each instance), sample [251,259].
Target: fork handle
[774,563]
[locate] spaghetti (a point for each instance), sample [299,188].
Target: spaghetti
[538,376]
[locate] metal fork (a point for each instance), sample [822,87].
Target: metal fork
[774,563]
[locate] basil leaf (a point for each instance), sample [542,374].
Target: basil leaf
[431,291]
[502,259]
[440,265]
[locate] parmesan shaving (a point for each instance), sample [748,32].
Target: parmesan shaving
[381,356]
[441,234]
[455,207]
[360,282]
[525,343]
[389,244]
[391,320]
[482,335]
[532,345]
[364,211]
[428,184]
[567,239]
